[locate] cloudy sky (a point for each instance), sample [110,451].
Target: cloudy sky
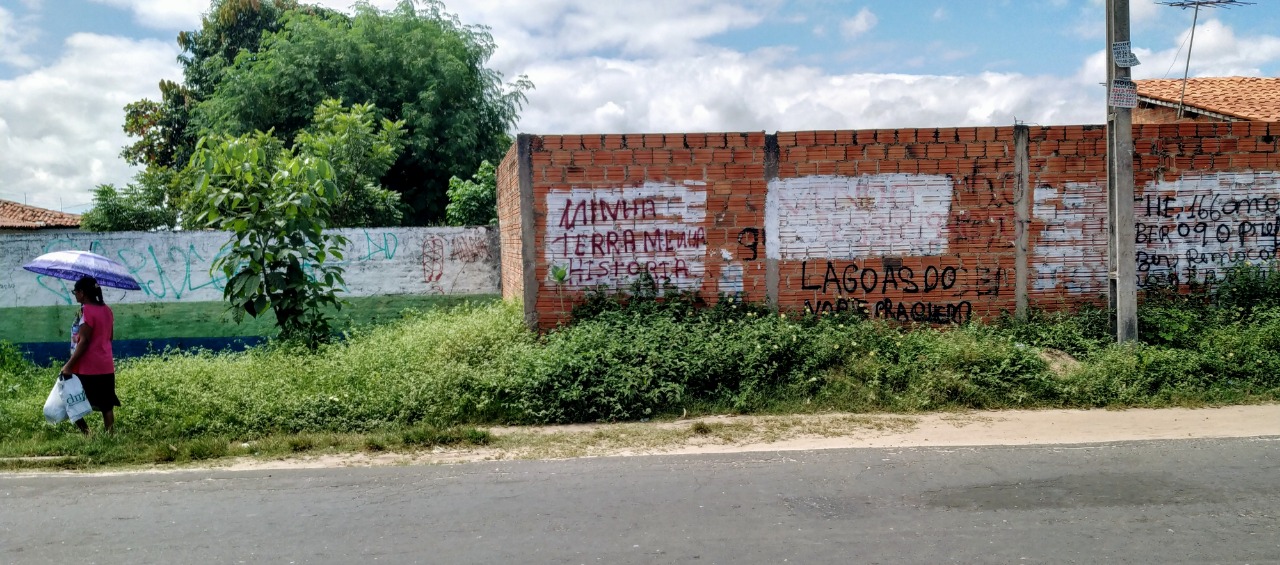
[67,67]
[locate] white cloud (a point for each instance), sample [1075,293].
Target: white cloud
[566,28]
[60,125]
[15,34]
[599,67]
[1218,51]
[859,24]
[163,14]
[728,91]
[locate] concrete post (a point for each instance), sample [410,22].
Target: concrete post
[1122,267]
[1022,197]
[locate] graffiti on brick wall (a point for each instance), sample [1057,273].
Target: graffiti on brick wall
[837,217]
[850,234]
[931,294]
[1069,251]
[610,236]
[175,266]
[1192,228]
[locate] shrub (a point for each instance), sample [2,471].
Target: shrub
[1080,333]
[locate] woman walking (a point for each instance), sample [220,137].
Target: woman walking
[91,356]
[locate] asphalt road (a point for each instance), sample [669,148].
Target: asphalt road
[1185,501]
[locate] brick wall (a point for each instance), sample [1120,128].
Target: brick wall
[509,230]
[1207,196]
[912,224]
[937,225]
[1068,229]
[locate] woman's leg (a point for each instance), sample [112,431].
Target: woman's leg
[84,427]
[108,419]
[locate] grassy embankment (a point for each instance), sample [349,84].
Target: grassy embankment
[438,377]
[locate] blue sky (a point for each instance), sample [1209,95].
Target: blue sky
[67,67]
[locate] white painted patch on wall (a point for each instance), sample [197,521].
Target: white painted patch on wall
[842,217]
[1195,227]
[1070,253]
[610,236]
[730,279]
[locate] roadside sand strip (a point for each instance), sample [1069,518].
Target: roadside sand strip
[1042,427]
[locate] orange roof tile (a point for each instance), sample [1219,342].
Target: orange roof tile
[21,216]
[1250,98]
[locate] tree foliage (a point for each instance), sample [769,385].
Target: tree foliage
[276,204]
[360,152]
[265,65]
[420,66]
[474,202]
[140,206]
[164,130]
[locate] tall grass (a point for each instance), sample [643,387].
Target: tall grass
[428,376]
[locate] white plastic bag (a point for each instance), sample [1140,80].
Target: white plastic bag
[55,410]
[73,395]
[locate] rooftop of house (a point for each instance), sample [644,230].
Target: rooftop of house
[1247,98]
[21,216]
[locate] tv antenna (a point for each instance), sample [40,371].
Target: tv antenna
[1184,4]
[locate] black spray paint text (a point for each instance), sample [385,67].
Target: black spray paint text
[851,279]
[887,309]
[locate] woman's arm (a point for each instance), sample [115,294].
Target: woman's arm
[82,345]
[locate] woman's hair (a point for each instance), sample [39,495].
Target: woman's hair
[89,287]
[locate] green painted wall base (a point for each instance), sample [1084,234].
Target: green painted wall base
[171,320]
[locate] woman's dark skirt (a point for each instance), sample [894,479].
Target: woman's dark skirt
[101,391]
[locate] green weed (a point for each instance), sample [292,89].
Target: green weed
[435,378]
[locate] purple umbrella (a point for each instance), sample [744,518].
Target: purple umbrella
[71,265]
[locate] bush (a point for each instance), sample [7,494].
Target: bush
[1080,333]
[1247,287]
[423,379]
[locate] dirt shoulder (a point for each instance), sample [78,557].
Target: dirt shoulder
[732,434]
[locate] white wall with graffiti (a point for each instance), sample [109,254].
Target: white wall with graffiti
[175,266]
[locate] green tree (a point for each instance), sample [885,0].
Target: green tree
[360,152]
[474,202]
[276,205]
[142,205]
[421,66]
[163,132]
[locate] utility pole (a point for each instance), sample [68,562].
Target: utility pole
[1121,237]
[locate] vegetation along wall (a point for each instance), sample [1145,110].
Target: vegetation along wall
[387,269]
[937,225]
